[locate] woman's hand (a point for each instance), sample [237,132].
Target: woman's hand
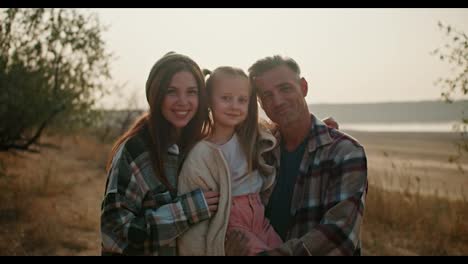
[212,199]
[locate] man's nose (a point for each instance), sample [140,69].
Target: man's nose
[277,100]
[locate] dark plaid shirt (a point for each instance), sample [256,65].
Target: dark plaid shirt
[139,215]
[329,194]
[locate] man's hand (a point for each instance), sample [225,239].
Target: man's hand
[236,244]
[330,122]
[299,250]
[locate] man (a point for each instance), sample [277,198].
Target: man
[317,202]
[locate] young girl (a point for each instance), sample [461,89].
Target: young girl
[141,213]
[230,161]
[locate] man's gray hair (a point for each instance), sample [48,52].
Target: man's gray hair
[263,65]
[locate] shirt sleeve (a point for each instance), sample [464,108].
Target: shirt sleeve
[338,232]
[128,226]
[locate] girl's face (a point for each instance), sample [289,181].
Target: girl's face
[230,100]
[180,103]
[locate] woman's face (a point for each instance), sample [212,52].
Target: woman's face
[180,102]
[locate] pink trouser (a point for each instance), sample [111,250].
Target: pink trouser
[248,216]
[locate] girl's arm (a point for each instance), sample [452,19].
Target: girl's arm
[203,169]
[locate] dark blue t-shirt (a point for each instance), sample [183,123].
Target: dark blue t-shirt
[279,205]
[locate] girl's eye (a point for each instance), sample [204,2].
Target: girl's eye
[170,91]
[193,92]
[226,98]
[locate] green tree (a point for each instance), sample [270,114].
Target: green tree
[455,53]
[53,68]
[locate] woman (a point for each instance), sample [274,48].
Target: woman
[141,213]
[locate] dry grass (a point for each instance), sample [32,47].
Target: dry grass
[417,201]
[50,203]
[401,223]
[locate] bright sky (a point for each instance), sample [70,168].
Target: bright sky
[347,55]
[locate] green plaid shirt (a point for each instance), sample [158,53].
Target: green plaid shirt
[139,215]
[329,195]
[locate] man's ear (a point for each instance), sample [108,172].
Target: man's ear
[304,86]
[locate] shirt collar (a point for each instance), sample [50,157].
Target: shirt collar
[173,149]
[319,134]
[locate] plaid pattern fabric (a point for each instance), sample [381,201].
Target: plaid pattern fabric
[139,215]
[329,195]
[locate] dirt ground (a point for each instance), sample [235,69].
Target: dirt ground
[52,205]
[417,162]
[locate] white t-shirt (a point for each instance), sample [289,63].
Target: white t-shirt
[241,182]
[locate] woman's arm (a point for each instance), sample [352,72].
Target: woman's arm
[133,223]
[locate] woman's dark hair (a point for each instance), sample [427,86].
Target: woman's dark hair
[160,130]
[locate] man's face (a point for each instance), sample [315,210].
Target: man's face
[282,95]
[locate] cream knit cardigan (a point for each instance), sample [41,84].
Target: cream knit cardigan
[206,168]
